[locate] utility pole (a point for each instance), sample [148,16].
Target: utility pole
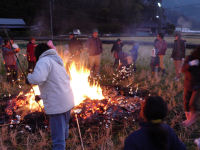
[51,16]
[157,4]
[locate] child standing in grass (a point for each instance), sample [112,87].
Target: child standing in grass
[134,54]
[153,134]
[191,69]
[161,46]
[116,49]
[155,62]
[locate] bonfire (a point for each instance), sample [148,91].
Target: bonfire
[93,103]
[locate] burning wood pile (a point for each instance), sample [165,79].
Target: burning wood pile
[95,105]
[114,107]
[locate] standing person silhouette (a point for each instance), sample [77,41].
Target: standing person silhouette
[178,54]
[191,69]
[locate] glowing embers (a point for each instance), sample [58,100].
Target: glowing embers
[25,103]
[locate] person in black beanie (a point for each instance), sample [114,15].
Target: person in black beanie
[153,134]
[41,48]
[54,84]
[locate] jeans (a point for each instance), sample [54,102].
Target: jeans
[59,125]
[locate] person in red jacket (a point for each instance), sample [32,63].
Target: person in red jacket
[30,54]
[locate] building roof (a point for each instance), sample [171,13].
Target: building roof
[12,23]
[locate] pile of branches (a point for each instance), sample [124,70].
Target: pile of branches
[114,109]
[120,105]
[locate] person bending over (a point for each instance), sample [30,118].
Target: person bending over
[54,83]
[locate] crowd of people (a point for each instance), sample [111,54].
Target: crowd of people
[46,69]
[94,48]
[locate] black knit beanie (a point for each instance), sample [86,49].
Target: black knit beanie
[41,48]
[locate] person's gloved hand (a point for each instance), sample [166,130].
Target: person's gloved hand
[37,98]
[194,62]
[50,44]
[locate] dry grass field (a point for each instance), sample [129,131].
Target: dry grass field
[103,138]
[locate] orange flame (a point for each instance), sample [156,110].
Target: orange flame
[33,105]
[80,85]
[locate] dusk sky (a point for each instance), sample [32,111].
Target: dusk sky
[179,3]
[188,8]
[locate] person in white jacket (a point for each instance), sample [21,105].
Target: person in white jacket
[54,84]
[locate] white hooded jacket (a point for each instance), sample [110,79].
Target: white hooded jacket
[54,83]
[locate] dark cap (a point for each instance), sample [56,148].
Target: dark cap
[95,30]
[119,40]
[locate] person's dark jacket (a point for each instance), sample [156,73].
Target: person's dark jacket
[139,140]
[116,49]
[161,45]
[94,46]
[75,45]
[178,50]
[192,74]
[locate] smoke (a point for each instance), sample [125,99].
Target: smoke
[41,24]
[184,23]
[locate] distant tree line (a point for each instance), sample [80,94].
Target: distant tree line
[106,15]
